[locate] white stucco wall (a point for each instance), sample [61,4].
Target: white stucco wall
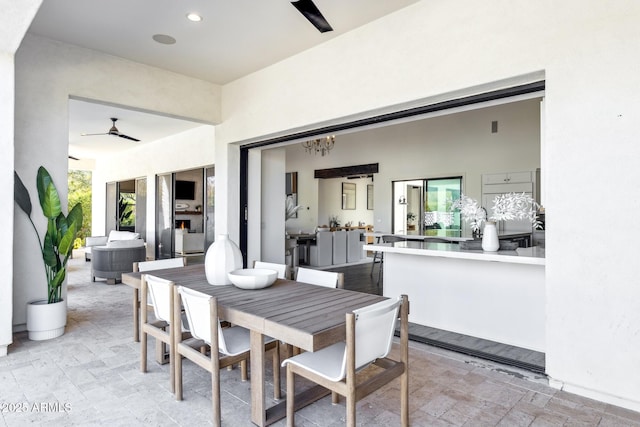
[431,50]
[435,49]
[47,73]
[14,22]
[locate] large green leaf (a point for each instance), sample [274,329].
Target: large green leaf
[48,195]
[49,252]
[54,286]
[76,215]
[21,194]
[66,243]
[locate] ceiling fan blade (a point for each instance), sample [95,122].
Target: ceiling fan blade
[93,134]
[73,158]
[310,11]
[128,137]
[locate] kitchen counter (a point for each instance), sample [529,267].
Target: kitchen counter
[496,296]
[533,255]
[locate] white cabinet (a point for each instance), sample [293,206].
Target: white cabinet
[507,178]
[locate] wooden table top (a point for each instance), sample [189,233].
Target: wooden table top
[306,316]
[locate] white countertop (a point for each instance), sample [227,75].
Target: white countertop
[533,255]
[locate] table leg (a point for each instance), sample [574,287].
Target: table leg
[258,414]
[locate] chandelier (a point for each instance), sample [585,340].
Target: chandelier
[321,145]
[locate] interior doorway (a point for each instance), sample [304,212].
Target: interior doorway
[423,207]
[185,213]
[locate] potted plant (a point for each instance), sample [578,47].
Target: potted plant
[410,218]
[47,318]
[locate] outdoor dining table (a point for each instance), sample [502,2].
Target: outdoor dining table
[306,316]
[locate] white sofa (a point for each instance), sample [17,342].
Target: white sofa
[321,254]
[354,246]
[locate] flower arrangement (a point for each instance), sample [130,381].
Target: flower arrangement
[471,212]
[508,206]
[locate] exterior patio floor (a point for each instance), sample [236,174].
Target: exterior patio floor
[91,376]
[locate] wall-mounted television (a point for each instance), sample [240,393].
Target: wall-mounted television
[185,190]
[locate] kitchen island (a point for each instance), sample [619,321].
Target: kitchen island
[496,296]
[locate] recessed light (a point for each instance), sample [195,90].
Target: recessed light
[164,39]
[194,17]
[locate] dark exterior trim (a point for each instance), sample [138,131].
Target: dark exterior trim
[382,118]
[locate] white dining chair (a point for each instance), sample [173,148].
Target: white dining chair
[161,293]
[329,279]
[282,269]
[143,266]
[227,345]
[369,333]
[159,264]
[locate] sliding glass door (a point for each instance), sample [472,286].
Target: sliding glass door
[164,216]
[423,207]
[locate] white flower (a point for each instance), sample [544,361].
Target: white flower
[509,206]
[472,213]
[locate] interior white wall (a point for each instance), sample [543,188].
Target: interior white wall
[47,73]
[460,144]
[273,206]
[187,150]
[434,50]
[14,22]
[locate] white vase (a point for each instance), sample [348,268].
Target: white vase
[46,321]
[490,242]
[222,257]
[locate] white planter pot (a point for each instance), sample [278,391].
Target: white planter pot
[222,257]
[46,321]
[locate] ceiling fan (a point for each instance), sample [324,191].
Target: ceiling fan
[310,11]
[113,131]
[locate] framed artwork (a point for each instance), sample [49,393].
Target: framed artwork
[370,197]
[291,189]
[348,196]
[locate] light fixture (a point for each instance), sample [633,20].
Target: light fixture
[320,145]
[194,17]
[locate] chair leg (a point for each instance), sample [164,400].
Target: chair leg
[351,410]
[335,398]
[291,393]
[243,370]
[143,351]
[178,373]
[215,399]
[380,269]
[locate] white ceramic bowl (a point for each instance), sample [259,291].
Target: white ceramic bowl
[253,278]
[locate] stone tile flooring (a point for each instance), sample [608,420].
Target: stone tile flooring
[90,376]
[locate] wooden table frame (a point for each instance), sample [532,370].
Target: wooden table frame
[305,316]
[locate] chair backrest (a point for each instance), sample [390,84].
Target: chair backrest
[280,268]
[197,307]
[160,264]
[375,327]
[160,292]
[329,279]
